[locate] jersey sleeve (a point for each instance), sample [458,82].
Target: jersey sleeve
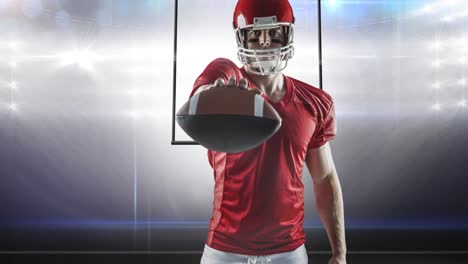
[219,68]
[325,130]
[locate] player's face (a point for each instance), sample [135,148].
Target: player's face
[265,38]
[267,44]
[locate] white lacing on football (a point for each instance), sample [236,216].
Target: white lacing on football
[193,104]
[259,105]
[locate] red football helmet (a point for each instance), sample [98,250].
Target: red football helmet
[258,15]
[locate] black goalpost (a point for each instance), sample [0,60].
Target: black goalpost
[174,81]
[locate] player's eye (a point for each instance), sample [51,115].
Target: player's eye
[275,34]
[253,34]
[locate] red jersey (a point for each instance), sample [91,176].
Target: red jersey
[258,206]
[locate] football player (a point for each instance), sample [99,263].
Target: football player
[258,201]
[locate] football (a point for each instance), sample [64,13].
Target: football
[228,119]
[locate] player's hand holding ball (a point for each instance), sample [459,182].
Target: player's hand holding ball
[228,117]
[242,84]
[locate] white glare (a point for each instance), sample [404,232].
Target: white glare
[436,45]
[437,6]
[462,60]
[134,114]
[462,82]
[462,103]
[13,45]
[143,52]
[436,85]
[436,107]
[447,19]
[137,114]
[461,41]
[13,107]
[13,85]
[450,3]
[332,2]
[83,58]
[134,92]
[427,9]
[436,63]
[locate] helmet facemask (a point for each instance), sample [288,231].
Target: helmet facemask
[265,61]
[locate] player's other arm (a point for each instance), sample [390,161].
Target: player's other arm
[218,73]
[329,198]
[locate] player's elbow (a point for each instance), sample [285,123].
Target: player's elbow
[322,176]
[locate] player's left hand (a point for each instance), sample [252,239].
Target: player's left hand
[337,260]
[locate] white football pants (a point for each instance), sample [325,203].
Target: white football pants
[214,256]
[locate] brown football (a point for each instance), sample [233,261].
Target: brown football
[228,119]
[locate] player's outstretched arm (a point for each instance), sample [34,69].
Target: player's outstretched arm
[329,199]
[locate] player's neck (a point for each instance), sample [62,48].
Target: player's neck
[271,85]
